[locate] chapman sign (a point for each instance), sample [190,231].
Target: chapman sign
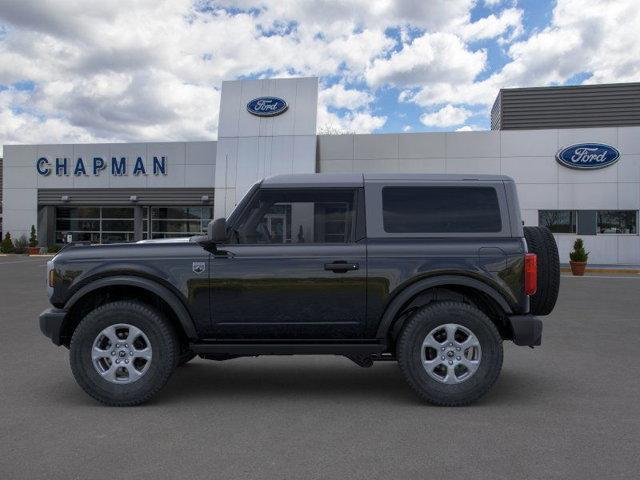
[267,106]
[96,165]
[588,156]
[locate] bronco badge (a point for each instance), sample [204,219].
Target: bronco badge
[199,267]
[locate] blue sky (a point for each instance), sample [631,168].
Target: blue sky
[77,71]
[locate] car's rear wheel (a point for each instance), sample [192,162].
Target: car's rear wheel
[541,242]
[450,353]
[123,353]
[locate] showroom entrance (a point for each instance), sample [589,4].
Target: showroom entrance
[122,215]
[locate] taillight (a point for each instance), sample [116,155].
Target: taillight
[530,273]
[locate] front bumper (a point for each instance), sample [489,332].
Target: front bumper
[51,324]
[527,330]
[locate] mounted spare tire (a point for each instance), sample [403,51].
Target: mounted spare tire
[541,242]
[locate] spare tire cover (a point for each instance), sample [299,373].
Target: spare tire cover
[541,242]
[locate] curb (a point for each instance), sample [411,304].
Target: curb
[627,271]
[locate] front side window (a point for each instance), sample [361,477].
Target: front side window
[296,216]
[440,210]
[558,221]
[618,221]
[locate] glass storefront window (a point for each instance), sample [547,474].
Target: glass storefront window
[171,222]
[94,224]
[618,221]
[558,221]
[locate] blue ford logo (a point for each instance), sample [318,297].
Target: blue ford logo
[267,106]
[588,156]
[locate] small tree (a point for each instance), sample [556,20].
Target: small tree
[33,239]
[7,244]
[579,254]
[20,245]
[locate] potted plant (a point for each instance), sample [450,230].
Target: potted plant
[7,244]
[578,258]
[33,242]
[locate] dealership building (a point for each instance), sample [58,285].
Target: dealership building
[574,153]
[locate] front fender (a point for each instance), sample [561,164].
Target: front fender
[163,292]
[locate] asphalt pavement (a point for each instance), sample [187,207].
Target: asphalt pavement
[569,409]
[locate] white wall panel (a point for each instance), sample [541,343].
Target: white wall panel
[629,140]
[629,168]
[421,165]
[588,196]
[20,177]
[473,144]
[476,165]
[529,143]
[629,196]
[628,249]
[371,147]
[530,169]
[422,145]
[336,147]
[534,196]
[336,166]
[571,136]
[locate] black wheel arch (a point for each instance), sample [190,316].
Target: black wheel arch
[117,287]
[484,296]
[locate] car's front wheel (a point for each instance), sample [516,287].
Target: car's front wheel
[123,353]
[450,353]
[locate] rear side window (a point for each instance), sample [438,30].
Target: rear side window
[440,210]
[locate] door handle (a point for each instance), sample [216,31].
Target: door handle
[341,266]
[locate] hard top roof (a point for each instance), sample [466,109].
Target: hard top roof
[359,179]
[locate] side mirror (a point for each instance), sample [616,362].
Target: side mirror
[217,230]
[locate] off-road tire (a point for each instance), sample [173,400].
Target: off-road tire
[541,242]
[164,346]
[409,347]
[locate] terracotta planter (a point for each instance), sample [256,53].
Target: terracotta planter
[34,250]
[578,268]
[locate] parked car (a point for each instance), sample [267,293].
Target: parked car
[431,271]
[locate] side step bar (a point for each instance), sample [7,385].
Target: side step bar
[289,348]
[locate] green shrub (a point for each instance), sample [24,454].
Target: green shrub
[579,254]
[7,244]
[21,244]
[33,239]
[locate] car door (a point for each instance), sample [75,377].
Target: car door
[293,267]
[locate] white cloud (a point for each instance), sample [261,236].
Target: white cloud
[509,20]
[407,128]
[338,96]
[584,36]
[432,57]
[469,128]
[492,3]
[447,116]
[152,70]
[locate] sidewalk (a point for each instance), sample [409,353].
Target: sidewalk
[596,268]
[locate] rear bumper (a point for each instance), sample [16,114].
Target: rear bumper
[527,330]
[51,322]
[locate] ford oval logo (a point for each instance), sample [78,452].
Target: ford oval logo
[588,156]
[267,106]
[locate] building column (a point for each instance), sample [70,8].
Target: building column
[138,215]
[46,228]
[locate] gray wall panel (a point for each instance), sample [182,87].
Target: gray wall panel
[567,107]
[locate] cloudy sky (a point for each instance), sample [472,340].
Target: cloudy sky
[84,70]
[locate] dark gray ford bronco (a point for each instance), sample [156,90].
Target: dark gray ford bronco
[431,271]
